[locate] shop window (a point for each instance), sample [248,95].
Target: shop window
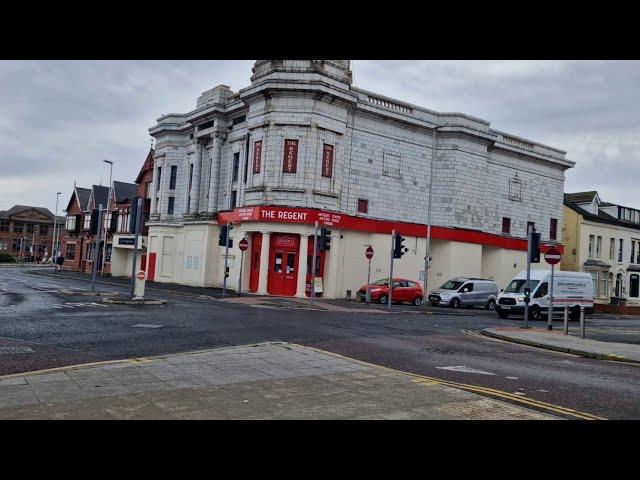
[327,161]
[363,206]
[506,225]
[291,263]
[277,266]
[553,229]
[290,159]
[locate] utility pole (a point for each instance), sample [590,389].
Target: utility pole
[226,258]
[104,250]
[393,242]
[428,244]
[313,261]
[54,250]
[527,288]
[96,250]
[135,246]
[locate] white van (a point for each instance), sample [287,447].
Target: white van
[570,288]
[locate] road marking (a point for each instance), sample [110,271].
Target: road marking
[147,325]
[14,350]
[519,393]
[465,369]
[512,378]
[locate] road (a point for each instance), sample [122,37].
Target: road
[52,329]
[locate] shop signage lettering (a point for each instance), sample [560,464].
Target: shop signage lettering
[290,161]
[285,241]
[283,215]
[327,161]
[257,154]
[126,241]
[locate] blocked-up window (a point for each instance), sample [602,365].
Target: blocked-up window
[515,189]
[553,229]
[506,225]
[391,165]
[363,205]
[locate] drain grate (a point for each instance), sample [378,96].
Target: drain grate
[14,350]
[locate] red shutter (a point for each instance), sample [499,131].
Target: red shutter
[290,160]
[257,156]
[327,161]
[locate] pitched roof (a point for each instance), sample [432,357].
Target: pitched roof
[123,192]
[83,195]
[3,214]
[100,195]
[148,163]
[581,197]
[601,217]
[21,208]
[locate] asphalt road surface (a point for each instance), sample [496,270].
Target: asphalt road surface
[40,327]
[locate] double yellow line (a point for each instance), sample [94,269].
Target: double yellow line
[537,404]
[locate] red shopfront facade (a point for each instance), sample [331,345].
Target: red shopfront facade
[284,247]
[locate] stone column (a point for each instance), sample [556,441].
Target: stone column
[214,180]
[264,263]
[194,193]
[302,266]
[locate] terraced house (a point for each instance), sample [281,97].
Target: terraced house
[302,144]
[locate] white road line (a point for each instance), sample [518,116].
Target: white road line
[465,369]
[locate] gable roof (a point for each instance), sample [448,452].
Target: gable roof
[123,192]
[21,208]
[82,194]
[581,197]
[100,195]
[148,164]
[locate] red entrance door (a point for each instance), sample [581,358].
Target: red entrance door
[151,274]
[283,264]
[320,256]
[254,275]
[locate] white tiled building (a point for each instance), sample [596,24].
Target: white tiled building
[303,144]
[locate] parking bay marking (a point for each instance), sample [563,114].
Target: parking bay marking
[465,369]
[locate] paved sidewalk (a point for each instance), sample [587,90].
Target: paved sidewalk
[264,381]
[556,340]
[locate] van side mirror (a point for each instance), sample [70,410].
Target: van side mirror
[501,290]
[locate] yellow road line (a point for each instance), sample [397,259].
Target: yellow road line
[474,388]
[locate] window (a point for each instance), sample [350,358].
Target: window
[108,256]
[620,247]
[4,225]
[171,204]
[599,247]
[391,165]
[44,229]
[206,125]
[147,190]
[71,251]
[602,280]
[327,161]
[257,153]
[467,286]
[159,178]
[591,240]
[18,227]
[290,159]
[506,225]
[612,248]
[87,221]
[633,251]
[16,245]
[236,166]
[234,198]
[190,176]
[240,119]
[4,246]
[107,221]
[594,278]
[29,227]
[530,226]
[553,229]
[363,206]
[542,290]
[90,250]
[172,177]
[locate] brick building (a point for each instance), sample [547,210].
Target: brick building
[22,227]
[72,247]
[302,144]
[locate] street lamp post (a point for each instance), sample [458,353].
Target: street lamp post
[56,229]
[428,246]
[104,248]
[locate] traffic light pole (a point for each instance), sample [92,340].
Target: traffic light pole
[527,288]
[96,250]
[226,258]
[393,242]
[313,262]
[136,231]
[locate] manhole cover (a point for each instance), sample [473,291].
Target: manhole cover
[147,325]
[14,350]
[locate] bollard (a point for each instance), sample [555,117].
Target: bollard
[566,319]
[581,321]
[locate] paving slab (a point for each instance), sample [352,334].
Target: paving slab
[557,341]
[192,386]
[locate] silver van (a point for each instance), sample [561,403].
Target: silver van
[466,292]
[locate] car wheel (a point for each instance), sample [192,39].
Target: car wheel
[534,313]
[491,305]
[503,314]
[383,299]
[455,303]
[417,301]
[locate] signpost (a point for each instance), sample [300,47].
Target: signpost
[552,256]
[313,262]
[369,254]
[137,226]
[242,245]
[393,243]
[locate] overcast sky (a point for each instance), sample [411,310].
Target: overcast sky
[60,119]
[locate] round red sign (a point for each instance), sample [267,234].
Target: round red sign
[243,244]
[369,253]
[552,256]
[140,275]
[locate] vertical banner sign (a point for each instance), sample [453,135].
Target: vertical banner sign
[327,161]
[257,155]
[290,160]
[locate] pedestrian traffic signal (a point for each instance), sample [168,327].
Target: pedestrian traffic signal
[324,242]
[225,233]
[398,248]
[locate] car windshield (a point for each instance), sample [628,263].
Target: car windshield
[451,285]
[517,286]
[384,282]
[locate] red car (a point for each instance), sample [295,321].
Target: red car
[403,291]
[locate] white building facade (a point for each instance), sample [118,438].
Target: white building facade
[302,144]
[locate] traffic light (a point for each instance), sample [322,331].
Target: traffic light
[324,242]
[535,247]
[225,233]
[93,229]
[398,248]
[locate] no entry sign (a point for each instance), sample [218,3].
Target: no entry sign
[368,253]
[243,244]
[140,275]
[552,256]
